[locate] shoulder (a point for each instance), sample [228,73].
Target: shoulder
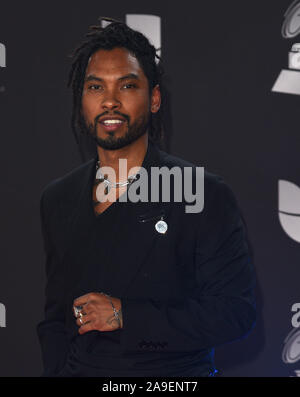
[212,182]
[219,199]
[68,186]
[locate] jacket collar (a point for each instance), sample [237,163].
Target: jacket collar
[82,209]
[141,218]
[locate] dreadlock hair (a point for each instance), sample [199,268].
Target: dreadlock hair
[115,34]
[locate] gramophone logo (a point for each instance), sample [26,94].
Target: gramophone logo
[291,348]
[288,81]
[149,25]
[289,208]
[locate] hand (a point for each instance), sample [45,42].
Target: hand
[98,313]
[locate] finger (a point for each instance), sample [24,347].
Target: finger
[82,320]
[86,327]
[87,308]
[77,310]
[81,300]
[80,310]
[91,296]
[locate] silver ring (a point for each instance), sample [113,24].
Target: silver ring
[80,320]
[77,310]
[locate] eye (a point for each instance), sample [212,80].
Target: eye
[129,85]
[94,85]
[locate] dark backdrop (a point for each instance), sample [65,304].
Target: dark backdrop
[222,59]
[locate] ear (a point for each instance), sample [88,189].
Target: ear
[155,99]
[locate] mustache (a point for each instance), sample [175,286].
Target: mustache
[116,113]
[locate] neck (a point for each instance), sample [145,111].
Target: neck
[133,153]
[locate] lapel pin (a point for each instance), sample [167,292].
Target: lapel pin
[161,226]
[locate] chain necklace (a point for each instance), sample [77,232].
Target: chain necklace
[108,184]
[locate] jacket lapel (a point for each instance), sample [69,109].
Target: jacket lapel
[137,229]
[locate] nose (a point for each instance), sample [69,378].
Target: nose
[110,101]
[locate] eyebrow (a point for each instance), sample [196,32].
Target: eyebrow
[127,76]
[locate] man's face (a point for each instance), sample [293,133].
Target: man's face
[116,104]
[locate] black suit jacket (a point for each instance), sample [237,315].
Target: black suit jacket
[187,290]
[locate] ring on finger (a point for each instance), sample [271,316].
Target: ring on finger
[77,310]
[80,320]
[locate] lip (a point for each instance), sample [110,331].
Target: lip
[111,127]
[110,118]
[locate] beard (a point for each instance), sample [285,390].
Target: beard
[134,131]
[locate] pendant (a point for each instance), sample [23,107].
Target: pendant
[161,226]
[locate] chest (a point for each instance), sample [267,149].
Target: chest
[102,201]
[122,252]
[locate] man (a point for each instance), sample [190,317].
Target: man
[136,288]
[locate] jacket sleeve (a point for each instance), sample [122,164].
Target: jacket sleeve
[222,307]
[51,331]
